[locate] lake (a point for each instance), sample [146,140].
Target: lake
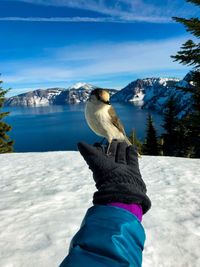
[54,128]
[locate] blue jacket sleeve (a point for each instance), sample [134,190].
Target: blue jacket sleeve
[108,237]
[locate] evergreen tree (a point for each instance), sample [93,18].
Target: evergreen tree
[6,145]
[190,50]
[170,126]
[183,139]
[194,120]
[190,55]
[150,146]
[135,141]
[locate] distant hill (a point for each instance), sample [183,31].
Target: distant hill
[77,93]
[149,93]
[153,93]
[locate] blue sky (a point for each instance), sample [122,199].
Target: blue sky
[108,43]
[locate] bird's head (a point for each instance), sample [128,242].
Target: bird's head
[100,96]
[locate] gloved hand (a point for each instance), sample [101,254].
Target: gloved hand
[117,175]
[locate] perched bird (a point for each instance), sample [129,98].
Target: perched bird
[102,118]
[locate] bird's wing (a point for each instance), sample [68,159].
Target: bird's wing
[115,120]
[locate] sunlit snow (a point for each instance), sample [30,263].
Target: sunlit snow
[80,85]
[44,197]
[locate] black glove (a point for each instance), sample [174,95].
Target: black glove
[117,175]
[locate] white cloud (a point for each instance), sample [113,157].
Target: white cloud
[124,10]
[95,62]
[86,19]
[57,19]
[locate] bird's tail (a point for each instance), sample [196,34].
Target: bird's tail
[128,141]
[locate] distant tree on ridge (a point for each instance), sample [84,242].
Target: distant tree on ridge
[150,146]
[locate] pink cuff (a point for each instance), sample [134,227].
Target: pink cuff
[135,209]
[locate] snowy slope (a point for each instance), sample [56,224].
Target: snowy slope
[76,93]
[154,93]
[82,85]
[44,197]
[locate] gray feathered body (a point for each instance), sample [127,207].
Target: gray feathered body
[103,120]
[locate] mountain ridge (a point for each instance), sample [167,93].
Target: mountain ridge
[154,93]
[149,93]
[77,93]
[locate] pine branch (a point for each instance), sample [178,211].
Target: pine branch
[4,114]
[189,54]
[196,2]
[6,145]
[192,25]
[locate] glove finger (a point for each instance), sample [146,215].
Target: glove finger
[132,156]
[86,149]
[99,147]
[113,148]
[121,152]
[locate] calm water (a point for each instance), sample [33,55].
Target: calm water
[55,128]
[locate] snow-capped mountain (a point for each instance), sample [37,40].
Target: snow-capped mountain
[35,98]
[153,93]
[77,93]
[150,93]
[81,85]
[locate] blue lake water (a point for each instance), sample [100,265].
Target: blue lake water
[55,128]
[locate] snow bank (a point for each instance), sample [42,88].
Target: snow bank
[44,197]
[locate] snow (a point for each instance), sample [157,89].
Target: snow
[164,81]
[137,98]
[81,84]
[44,197]
[39,101]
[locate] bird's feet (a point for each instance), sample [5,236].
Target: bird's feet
[108,153]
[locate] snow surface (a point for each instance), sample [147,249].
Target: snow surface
[80,85]
[138,97]
[44,197]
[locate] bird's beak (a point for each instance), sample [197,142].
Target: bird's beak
[106,102]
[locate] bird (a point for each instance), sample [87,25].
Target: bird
[102,118]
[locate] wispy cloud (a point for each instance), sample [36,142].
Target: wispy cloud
[58,19]
[120,10]
[87,19]
[106,60]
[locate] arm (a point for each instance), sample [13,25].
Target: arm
[109,236]
[111,233]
